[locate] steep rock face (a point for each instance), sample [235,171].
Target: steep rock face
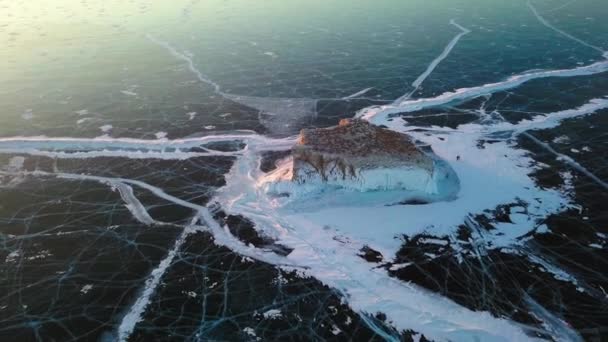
[354,155]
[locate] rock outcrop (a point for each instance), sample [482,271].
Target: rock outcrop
[355,155]
[353,147]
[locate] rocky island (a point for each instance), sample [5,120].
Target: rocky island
[354,155]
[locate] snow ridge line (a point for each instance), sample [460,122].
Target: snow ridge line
[444,54]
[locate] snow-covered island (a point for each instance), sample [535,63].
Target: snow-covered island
[359,156]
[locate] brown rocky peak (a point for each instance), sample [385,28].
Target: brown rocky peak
[354,145]
[357,138]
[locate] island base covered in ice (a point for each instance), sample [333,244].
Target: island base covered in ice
[358,156]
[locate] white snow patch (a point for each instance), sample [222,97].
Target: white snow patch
[251,332]
[272,314]
[15,163]
[40,255]
[335,330]
[106,128]
[86,288]
[12,256]
[396,267]
[562,139]
[434,241]
[28,114]
[128,92]
[556,271]
[191,115]
[83,120]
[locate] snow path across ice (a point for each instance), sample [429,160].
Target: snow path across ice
[563,33]
[418,82]
[379,114]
